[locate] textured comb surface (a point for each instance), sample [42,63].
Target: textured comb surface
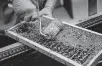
[71,42]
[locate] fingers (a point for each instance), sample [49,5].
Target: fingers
[27,18]
[45,13]
[30,17]
[49,15]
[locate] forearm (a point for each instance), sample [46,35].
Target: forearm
[22,5]
[50,3]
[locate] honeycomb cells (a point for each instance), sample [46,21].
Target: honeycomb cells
[76,53]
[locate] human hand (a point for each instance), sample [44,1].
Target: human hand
[28,15]
[47,11]
[25,9]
